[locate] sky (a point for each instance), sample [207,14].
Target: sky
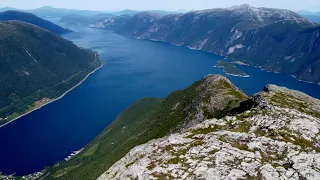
[295,5]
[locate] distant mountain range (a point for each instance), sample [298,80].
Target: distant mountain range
[36,67]
[84,20]
[305,12]
[119,16]
[51,12]
[32,19]
[311,16]
[82,17]
[272,39]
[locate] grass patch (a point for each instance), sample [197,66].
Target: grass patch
[175,160]
[237,94]
[244,126]
[289,101]
[131,163]
[91,150]
[151,166]
[208,130]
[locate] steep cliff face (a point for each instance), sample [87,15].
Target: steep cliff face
[273,39]
[274,135]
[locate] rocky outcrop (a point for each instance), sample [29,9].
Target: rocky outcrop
[216,95]
[276,137]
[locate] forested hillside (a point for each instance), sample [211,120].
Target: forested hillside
[37,66]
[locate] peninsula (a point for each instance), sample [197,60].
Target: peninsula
[231,69]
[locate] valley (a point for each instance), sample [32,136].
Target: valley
[159,94]
[127,75]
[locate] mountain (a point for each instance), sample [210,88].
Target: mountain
[8,9]
[313,18]
[272,39]
[84,20]
[51,12]
[272,141]
[32,19]
[133,12]
[113,23]
[209,130]
[36,67]
[306,12]
[148,119]
[126,12]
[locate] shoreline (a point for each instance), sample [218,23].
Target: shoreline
[56,99]
[230,74]
[246,76]
[225,57]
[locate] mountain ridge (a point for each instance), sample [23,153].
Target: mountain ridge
[171,138]
[272,39]
[37,66]
[148,119]
[274,136]
[32,19]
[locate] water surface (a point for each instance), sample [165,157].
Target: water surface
[133,69]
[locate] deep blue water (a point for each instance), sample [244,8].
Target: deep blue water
[133,69]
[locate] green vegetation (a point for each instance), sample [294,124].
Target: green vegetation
[206,130]
[151,166]
[289,101]
[175,160]
[129,164]
[144,120]
[236,94]
[37,66]
[230,68]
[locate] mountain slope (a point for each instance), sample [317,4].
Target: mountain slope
[32,19]
[75,19]
[272,39]
[51,12]
[37,66]
[111,22]
[209,130]
[147,119]
[313,18]
[277,138]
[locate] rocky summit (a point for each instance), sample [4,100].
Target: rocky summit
[210,130]
[272,135]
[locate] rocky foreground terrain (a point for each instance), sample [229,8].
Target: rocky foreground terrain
[272,135]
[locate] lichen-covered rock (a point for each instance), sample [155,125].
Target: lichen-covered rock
[279,139]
